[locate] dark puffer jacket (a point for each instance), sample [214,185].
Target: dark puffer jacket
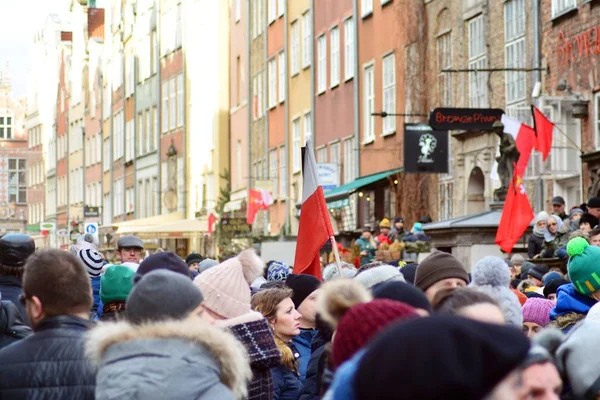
[49,364]
[11,288]
[12,328]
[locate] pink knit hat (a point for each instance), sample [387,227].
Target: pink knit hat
[537,310]
[226,287]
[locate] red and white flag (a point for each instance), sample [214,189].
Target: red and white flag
[257,200]
[544,132]
[517,214]
[524,139]
[315,226]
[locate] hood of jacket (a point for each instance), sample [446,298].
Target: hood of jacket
[228,354]
[568,300]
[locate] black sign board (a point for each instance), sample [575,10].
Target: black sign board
[90,212]
[466,119]
[425,149]
[235,227]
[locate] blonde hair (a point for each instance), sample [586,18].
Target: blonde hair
[266,302]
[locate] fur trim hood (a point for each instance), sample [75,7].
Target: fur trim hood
[228,353]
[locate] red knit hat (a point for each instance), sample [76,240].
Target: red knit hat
[364,321]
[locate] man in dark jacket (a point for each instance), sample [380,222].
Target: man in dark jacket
[50,364]
[12,328]
[15,249]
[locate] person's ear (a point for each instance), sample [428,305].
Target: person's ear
[36,308]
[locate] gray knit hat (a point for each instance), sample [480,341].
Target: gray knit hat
[161,295]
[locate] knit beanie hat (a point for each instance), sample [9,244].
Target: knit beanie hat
[385,223]
[553,286]
[277,271]
[428,357]
[589,218]
[206,264]
[584,269]
[92,261]
[161,295]
[303,286]
[226,287]
[193,258]
[439,266]
[348,307]
[417,227]
[517,259]
[87,241]
[164,260]
[116,283]
[408,272]
[538,311]
[331,271]
[403,292]
[377,275]
[536,273]
[551,276]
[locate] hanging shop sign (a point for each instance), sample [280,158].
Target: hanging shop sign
[425,149]
[91,212]
[466,119]
[329,177]
[235,227]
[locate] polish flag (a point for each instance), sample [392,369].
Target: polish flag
[517,214]
[212,219]
[315,226]
[257,200]
[524,136]
[544,131]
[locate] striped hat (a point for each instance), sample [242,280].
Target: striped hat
[92,261]
[584,269]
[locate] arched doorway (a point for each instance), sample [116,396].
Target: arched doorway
[475,192]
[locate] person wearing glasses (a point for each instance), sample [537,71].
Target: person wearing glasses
[554,236]
[130,249]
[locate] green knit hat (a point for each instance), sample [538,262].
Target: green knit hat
[584,265]
[116,283]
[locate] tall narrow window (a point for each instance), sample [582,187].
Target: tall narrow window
[307,127]
[272,11]
[172,103]
[369,104]
[477,60]
[154,133]
[322,64]
[141,135]
[306,39]
[165,106]
[296,145]
[349,160]
[147,132]
[282,77]
[335,57]
[280,7]
[295,49]
[349,48]
[389,93]
[444,53]
[237,10]
[180,100]
[238,83]
[238,162]
[272,82]
[282,173]
[366,7]
[514,36]
[273,172]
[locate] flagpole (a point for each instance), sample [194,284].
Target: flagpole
[568,138]
[336,254]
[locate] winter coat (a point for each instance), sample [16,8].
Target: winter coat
[96,311]
[342,387]
[571,307]
[253,331]
[312,383]
[11,289]
[365,245]
[50,364]
[287,384]
[303,342]
[535,245]
[12,327]
[551,247]
[187,359]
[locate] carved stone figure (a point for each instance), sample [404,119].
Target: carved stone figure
[594,188]
[509,155]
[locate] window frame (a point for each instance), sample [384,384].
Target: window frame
[321,63]
[368,97]
[335,56]
[388,89]
[349,49]
[295,48]
[281,65]
[306,39]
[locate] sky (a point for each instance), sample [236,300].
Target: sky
[20,20]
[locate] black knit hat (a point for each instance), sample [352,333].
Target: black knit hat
[409,271]
[302,285]
[553,286]
[536,272]
[403,292]
[193,258]
[439,357]
[165,260]
[594,202]
[589,218]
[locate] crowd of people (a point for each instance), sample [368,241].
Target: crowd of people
[73,326]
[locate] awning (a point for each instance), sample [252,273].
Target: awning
[176,229]
[233,205]
[138,225]
[351,187]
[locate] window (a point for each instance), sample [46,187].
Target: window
[106,103]
[272,11]
[272,83]
[280,7]
[254,10]
[99,149]
[307,127]
[178,26]
[141,135]
[237,10]
[560,6]
[295,49]
[255,97]
[349,160]
[306,39]
[154,131]
[259,16]
[6,122]
[296,146]
[477,60]
[154,54]
[321,155]
[366,7]
[282,76]
[238,163]
[444,53]
[283,174]
[129,143]
[273,172]
[334,154]
[118,136]
[238,81]
[321,64]
[180,100]
[261,104]
[349,48]
[369,105]
[389,93]
[106,153]
[172,103]
[335,57]
[514,36]
[165,107]
[129,82]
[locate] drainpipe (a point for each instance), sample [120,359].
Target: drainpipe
[249,97]
[185,132]
[135,137]
[265,89]
[312,77]
[356,101]
[158,112]
[537,77]
[286,123]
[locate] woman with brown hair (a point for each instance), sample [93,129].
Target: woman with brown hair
[278,308]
